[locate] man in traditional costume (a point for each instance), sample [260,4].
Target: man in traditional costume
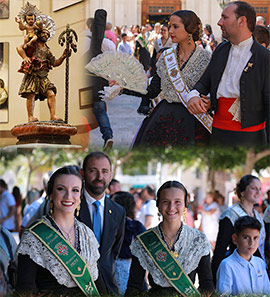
[237,78]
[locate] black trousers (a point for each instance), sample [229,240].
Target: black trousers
[235,138]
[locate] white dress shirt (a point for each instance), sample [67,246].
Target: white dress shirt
[90,202]
[239,56]
[229,85]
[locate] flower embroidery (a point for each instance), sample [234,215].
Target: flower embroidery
[174,72]
[62,249]
[161,256]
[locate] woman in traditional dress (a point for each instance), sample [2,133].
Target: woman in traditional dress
[248,191]
[59,254]
[169,249]
[178,70]
[141,51]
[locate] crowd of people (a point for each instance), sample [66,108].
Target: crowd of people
[88,237]
[197,86]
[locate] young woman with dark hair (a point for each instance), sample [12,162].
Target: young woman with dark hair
[172,252]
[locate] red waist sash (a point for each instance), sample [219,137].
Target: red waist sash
[223,118]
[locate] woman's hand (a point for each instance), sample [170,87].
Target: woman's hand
[196,105]
[112,83]
[206,101]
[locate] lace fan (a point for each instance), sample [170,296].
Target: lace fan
[126,70]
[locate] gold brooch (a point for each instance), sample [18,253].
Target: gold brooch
[249,65]
[175,254]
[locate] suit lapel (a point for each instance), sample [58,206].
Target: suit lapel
[84,215]
[108,225]
[223,61]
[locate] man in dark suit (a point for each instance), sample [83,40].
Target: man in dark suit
[97,175]
[237,78]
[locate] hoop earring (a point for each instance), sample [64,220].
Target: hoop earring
[184,215]
[189,38]
[51,206]
[78,210]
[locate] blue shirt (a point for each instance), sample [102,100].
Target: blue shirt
[7,200]
[236,275]
[124,47]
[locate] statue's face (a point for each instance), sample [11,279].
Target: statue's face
[30,20]
[44,36]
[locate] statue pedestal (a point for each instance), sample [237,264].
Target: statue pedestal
[43,132]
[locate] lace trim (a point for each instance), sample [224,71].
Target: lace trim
[191,72]
[31,246]
[191,246]
[235,212]
[266,215]
[235,110]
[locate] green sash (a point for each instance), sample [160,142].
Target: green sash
[67,255]
[141,41]
[167,264]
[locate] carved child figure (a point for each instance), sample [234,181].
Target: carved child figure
[27,21]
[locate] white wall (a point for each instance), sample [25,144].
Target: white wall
[119,12]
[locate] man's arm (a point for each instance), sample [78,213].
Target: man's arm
[119,236]
[224,279]
[148,221]
[11,212]
[266,92]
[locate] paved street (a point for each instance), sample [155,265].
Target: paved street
[125,120]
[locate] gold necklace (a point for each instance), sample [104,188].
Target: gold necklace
[68,234]
[171,241]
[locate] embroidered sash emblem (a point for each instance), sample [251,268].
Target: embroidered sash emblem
[161,256]
[174,72]
[62,249]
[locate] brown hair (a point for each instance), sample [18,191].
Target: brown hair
[191,21]
[245,9]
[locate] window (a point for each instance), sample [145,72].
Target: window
[161,9]
[261,10]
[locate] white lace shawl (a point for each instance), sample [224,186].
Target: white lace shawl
[191,73]
[31,246]
[235,212]
[191,246]
[266,215]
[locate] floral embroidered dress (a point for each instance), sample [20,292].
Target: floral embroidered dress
[48,274]
[170,123]
[193,254]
